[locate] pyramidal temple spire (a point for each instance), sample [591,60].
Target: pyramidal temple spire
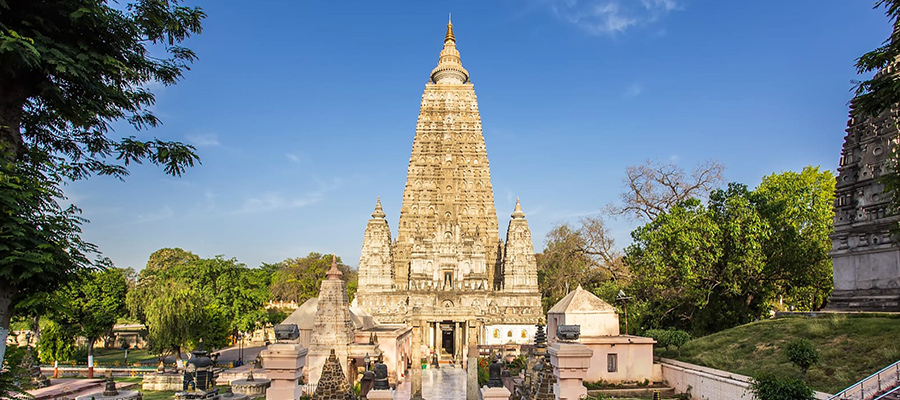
[449,69]
[379,212]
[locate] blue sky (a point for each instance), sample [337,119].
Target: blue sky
[303,112]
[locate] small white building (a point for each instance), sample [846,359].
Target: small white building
[616,358]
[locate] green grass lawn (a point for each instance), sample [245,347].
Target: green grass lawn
[851,347]
[164,395]
[161,395]
[111,356]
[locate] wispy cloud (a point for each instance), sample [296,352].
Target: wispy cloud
[634,90]
[611,17]
[204,139]
[277,200]
[158,215]
[294,158]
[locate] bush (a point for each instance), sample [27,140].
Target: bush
[803,354]
[666,338]
[14,379]
[516,365]
[772,387]
[483,373]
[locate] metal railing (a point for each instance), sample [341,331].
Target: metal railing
[872,386]
[888,393]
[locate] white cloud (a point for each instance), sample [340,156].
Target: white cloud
[204,139]
[276,200]
[293,157]
[610,17]
[634,90]
[158,215]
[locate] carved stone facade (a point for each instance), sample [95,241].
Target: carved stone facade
[448,266]
[866,259]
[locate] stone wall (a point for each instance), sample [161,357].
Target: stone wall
[709,383]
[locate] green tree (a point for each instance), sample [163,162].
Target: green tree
[69,69]
[563,265]
[92,304]
[772,387]
[883,90]
[707,268]
[698,267]
[183,298]
[299,279]
[57,342]
[799,210]
[803,354]
[40,242]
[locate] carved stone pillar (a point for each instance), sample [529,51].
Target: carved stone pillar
[570,363]
[284,363]
[415,388]
[472,363]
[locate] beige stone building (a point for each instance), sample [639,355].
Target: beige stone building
[616,358]
[448,268]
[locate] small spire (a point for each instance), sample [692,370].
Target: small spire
[517,213]
[379,213]
[449,30]
[334,272]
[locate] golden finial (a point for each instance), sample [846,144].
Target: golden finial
[449,30]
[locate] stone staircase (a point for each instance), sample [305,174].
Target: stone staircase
[872,300]
[882,385]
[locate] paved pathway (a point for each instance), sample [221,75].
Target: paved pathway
[446,383]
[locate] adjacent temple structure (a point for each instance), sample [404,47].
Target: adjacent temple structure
[866,259]
[448,267]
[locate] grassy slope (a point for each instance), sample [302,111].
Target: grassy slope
[850,348]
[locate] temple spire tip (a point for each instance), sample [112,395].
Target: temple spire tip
[517,213]
[449,35]
[334,272]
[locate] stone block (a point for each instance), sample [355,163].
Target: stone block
[498,393]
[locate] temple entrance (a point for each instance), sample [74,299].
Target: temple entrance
[448,340]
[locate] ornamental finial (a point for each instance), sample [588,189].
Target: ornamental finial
[379,212]
[334,272]
[449,30]
[517,213]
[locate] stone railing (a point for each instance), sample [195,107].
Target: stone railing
[709,383]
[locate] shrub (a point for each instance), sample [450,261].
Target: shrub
[483,370]
[666,338]
[772,387]
[803,354]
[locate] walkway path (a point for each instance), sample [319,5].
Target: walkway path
[446,383]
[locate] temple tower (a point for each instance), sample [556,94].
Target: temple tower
[447,236]
[376,254]
[519,263]
[448,272]
[865,257]
[333,330]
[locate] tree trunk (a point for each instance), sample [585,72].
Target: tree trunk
[6,294]
[36,328]
[91,346]
[12,100]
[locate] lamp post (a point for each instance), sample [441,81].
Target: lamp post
[367,360]
[241,347]
[622,298]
